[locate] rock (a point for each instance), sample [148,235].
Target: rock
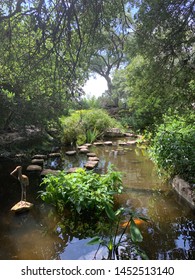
[39,156]
[70,153]
[91,164]
[38,162]
[34,168]
[122,143]
[88,145]
[114,132]
[91,154]
[84,151]
[184,190]
[73,169]
[22,206]
[55,155]
[49,171]
[98,143]
[82,147]
[93,159]
[132,142]
[109,143]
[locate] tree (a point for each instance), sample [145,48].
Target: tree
[46,48]
[110,53]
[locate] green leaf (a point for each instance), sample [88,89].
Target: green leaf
[94,241]
[110,213]
[135,233]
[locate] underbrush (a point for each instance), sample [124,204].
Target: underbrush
[173,146]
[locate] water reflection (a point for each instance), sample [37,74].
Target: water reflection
[42,234]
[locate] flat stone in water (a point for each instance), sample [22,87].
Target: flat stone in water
[34,168]
[82,147]
[55,155]
[91,154]
[109,143]
[133,142]
[71,153]
[91,164]
[93,159]
[98,143]
[73,169]
[84,151]
[49,171]
[38,161]
[39,157]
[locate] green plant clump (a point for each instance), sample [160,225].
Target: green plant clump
[173,147]
[82,191]
[86,126]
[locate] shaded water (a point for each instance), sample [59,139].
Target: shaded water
[41,234]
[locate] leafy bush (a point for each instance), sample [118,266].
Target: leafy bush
[86,125]
[173,147]
[83,190]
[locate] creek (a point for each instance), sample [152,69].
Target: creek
[41,234]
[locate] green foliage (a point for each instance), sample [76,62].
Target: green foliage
[86,125]
[115,236]
[173,147]
[82,191]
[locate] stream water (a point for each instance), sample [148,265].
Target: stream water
[41,234]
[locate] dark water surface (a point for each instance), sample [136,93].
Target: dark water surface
[41,234]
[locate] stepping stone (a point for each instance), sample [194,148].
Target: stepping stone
[55,155]
[82,147]
[91,154]
[98,143]
[122,143]
[91,164]
[49,171]
[70,153]
[72,169]
[93,159]
[133,142]
[38,161]
[39,157]
[84,151]
[109,143]
[22,206]
[88,145]
[34,168]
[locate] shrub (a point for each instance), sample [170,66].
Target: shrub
[86,125]
[173,147]
[82,191]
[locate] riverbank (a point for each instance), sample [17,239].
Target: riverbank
[185,190]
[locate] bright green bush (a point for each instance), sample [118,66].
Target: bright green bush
[173,147]
[82,191]
[86,125]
